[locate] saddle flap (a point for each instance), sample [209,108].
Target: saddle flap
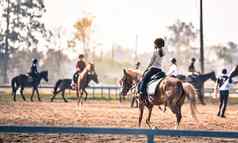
[152,85]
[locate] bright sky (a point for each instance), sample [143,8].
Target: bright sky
[119,21]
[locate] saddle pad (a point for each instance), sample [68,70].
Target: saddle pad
[151,86]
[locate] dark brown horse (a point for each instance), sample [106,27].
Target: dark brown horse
[170,92]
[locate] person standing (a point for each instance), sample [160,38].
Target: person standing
[223,91]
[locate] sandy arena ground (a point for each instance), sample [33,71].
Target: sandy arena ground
[107,114]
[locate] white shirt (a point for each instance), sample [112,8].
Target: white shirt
[227,86]
[173,70]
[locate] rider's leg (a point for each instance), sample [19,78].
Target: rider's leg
[146,79]
[74,79]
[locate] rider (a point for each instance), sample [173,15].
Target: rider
[173,71]
[34,70]
[79,68]
[191,67]
[137,65]
[153,68]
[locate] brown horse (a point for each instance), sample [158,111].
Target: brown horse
[81,79]
[170,92]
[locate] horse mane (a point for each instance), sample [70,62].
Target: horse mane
[134,72]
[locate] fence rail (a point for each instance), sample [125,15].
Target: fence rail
[116,89]
[109,90]
[150,133]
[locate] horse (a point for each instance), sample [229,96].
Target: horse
[170,92]
[23,81]
[129,82]
[198,81]
[62,84]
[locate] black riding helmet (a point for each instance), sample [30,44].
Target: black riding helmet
[173,60]
[159,42]
[81,56]
[224,71]
[193,59]
[34,61]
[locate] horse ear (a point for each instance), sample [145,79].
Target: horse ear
[124,71]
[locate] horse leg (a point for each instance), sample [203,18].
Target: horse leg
[78,97]
[55,93]
[22,95]
[63,92]
[14,92]
[38,95]
[178,116]
[176,109]
[141,109]
[33,92]
[137,102]
[133,101]
[53,97]
[149,116]
[86,94]
[201,97]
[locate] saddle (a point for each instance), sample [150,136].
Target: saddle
[152,86]
[154,83]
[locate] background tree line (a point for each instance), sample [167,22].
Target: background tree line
[23,34]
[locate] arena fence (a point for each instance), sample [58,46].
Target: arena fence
[106,92]
[150,133]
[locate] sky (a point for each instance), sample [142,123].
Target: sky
[119,21]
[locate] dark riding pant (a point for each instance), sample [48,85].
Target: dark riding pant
[224,94]
[147,76]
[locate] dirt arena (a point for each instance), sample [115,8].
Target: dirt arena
[107,114]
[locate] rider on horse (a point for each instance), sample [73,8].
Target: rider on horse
[137,65]
[173,70]
[79,68]
[153,68]
[191,67]
[34,71]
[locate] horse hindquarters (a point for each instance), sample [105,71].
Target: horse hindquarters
[14,88]
[190,93]
[56,87]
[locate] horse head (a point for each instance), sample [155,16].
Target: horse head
[44,75]
[213,76]
[92,75]
[126,83]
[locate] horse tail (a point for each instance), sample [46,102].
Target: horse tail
[190,93]
[56,86]
[14,85]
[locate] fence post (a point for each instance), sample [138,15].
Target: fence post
[93,93]
[150,138]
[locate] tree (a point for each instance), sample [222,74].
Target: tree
[57,63]
[227,53]
[22,26]
[20,61]
[83,31]
[182,36]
